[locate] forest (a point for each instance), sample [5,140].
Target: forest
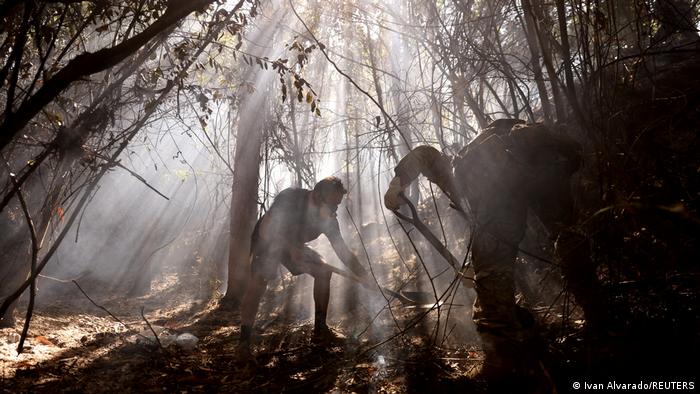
[507,190]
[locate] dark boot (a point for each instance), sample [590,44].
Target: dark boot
[244,342]
[514,366]
[321,330]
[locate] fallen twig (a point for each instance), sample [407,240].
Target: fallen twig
[160,345]
[99,306]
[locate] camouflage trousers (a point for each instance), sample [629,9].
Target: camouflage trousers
[501,227]
[501,224]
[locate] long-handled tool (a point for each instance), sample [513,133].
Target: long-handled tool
[421,298]
[466,273]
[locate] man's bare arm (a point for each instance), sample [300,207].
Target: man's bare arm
[424,160]
[342,251]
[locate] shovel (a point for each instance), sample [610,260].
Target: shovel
[413,299]
[466,273]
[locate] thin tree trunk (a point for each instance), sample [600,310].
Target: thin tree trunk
[380,97]
[539,15]
[296,149]
[358,175]
[254,114]
[568,68]
[531,36]
[244,196]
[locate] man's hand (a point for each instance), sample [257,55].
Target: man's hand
[392,198]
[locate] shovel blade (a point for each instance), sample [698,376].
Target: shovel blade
[424,306]
[418,300]
[419,297]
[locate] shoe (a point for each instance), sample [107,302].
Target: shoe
[324,334]
[243,350]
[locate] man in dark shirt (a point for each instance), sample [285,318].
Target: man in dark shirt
[297,216]
[510,168]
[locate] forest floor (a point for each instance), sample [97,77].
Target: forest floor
[74,346]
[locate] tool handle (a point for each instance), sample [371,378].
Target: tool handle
[364,283]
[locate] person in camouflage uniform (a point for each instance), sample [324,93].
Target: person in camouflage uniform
[509,168]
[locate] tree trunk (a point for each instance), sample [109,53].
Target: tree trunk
[570,87]
[244,196]
[254,115]
[531,36]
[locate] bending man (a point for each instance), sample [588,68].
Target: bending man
[297,216]
[509,168]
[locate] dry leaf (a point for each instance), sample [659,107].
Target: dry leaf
[43,340]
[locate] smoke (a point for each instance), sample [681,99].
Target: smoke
[129,235]
[131,241]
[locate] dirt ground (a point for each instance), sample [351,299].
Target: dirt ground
[74,346]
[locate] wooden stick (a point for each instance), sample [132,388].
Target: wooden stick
[35,253]
[439,246]
[346,274]
[160,345]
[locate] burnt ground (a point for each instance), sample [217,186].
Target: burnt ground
[73,346]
